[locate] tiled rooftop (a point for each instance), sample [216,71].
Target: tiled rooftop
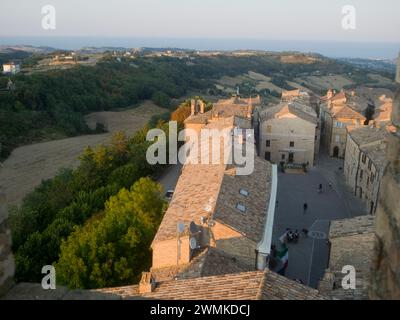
[352,242]
[253,285]
[258,185]
[347,112]
[300,110]
[367,134]
[352,226]
[209,262]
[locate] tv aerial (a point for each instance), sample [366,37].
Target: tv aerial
[180,227]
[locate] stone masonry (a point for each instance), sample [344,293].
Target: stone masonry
[385,277]
[6,256]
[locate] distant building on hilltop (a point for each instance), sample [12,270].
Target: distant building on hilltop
[11,68]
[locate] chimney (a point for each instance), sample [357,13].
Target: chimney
[201,103]
[147,283]
[250,108]
[192,107]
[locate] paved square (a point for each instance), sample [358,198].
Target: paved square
[308,258]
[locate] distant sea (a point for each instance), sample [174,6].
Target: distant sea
[335,49]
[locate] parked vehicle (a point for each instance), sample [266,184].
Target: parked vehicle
[169,194]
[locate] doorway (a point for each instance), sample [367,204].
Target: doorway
[336,152]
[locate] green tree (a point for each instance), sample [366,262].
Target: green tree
[113,248]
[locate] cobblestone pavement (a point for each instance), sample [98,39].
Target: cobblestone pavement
[309,257]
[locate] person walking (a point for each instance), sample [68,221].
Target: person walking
[305,207]
[320,188]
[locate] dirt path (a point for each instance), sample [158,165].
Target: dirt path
[27,166]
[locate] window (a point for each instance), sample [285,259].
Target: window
[241,207]
[363,158]
[244,192]
[337,138]
[291,143]
[361,174]
[369,164]
[283,156]
[267,155]
[291,157]
[372,177]
[268,143]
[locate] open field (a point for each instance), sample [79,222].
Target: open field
[28,165]
[261,81]
[336,81]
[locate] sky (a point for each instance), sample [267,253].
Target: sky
[273,20]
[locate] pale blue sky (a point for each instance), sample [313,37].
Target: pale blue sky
[377,20]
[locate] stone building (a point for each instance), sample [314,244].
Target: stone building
[336,114]
[11,68]
[215,207]
[385,277]
[240,108]
[364,163]
[383,112]
[351,244]
[288,133]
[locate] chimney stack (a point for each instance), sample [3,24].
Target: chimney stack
[192,107]
[147,283]
[201,103]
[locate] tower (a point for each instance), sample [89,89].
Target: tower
[385,276]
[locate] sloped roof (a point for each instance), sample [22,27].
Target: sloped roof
[339,96]
[352,226]
[252,285]
[346,112]
[367,134]
[300,110]
[352,242]
[209,262]
[258,184]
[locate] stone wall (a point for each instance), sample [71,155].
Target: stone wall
[6,257]
[280,132]
[385,277]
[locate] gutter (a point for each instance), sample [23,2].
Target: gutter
[263,250]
